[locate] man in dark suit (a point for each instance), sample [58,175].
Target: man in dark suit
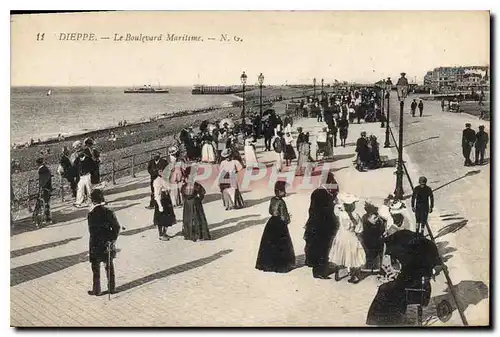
[155,164]
[468,140]
[104,229]
[44,188]
[413,107]
[422,203]
[481,143]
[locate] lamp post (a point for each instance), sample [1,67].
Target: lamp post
[402,87]
[388,88]
[261,81]
[243,79]
[314,87]
[382,99]
[322,82]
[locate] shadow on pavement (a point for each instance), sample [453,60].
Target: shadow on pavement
[138,196]
[60,218]
[420,141]
[212,197]
[39,269]
[254,202]
[33,249]
[126,188]
[343,156]
[449,214]
[135,231]
[222,232]
[172,271]
[231,220]
[451,228]
[452,218]
[468,293]
[445,252]
[470,173]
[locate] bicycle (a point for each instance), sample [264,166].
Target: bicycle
[38,216]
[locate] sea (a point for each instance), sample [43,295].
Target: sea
[73,110]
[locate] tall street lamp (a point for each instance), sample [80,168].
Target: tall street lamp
[322,82]
[243,79]
[382,99]
[402,87]
[388,88]
[261,81]
[314,87]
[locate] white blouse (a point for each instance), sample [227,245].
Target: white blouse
[159,186]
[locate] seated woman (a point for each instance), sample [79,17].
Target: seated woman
[276,252]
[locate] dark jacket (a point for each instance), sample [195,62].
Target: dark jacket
[86,164]
[154,168]
[421,196]
[44,178]
[103,228]
[468,136]
[481,139]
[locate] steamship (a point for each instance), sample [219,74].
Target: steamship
[146,89]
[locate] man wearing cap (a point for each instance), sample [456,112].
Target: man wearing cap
[155,164]
[103,229]
[44,189]
[481,143]
[422,194]
[468,140]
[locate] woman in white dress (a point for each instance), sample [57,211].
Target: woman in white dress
[175,170]
[250,157]
[347,250]
[229,167]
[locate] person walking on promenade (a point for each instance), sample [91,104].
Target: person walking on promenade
[343,126]
[268,135]
[468,140]
[103,229]
[347,250]
[155,164]
[413,107]
[421,107]
[68,170]
[481,143]
[44,191]
[175,170]
[363,152]
[231,195]
[422,203]
[289,154]
[194,221]
[92,153]
[250,156]
[279,146]
[276,253]
[442,104]
[207,150]
[85,167]
[164,215]
[321,227]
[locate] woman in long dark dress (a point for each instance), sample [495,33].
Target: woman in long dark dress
[276,252]
[164,215]
[195,226]
[321,227]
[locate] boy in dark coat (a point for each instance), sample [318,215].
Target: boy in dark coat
[103,229]
[422,195]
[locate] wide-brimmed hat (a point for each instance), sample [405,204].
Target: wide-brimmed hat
[226,153]
[173,149]
[347,199]
[77,144]
[396,205]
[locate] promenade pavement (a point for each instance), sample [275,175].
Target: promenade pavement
[184,283]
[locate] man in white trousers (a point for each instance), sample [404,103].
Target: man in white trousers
[85,166]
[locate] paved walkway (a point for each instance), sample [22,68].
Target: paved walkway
[182,283]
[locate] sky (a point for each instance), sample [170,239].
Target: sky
[287,47]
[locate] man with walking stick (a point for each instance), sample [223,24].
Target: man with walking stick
[104,229]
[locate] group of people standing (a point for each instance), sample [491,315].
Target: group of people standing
[478,140]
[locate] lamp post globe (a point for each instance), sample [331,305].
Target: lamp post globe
[261,81]
[402,89]
[243,79]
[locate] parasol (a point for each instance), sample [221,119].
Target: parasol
[229,121]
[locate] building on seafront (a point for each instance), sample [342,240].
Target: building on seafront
[446,79]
